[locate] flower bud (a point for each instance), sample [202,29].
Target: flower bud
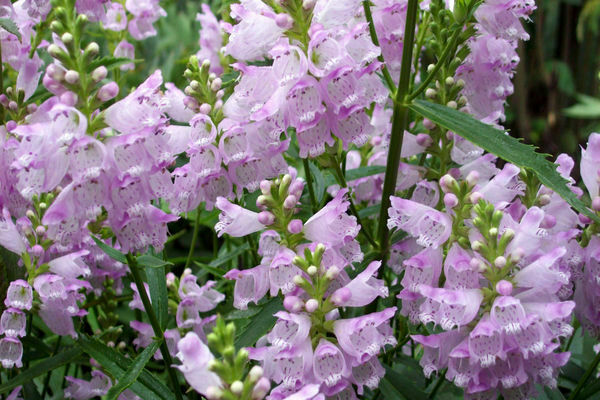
[447,182]
[452,104]
[265,187]
[37,250]
[424,140]
[504,288]
[255,373]
[213,393]
[493,232]
[108,91]
[68,98]
[312,270]
[205,108]
[40,230]
[450,200]
[460,83]
[430,67]
[428,124]
[91,50]
[216,84]
[295,226]
[186,272]
[266,218]
[13,106]
[299,280]
[430,93]
[517,254]
[236,388]
[548,222]
[476,245]
[500,262]
[584,219]
[220,94]
[544,199]
[290,202]
[72,77]
[311,305]
[31,108]
[449,81]
[10,125]
[99,73]
[284,21]
[218,104]
[67,38]
[472,178]
[293,304]
[308,4]
[475,197]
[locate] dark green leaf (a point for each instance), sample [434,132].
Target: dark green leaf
[242,314]
[112,253]
[157,284]
[593,388]
[504,146]
[147,386]
[260,324]
[370,210]
[403,386]
[10,26]
[62,358]
[228,256]
[205,268]
[151,261]
[110,62]
[318,181]
[361,172]
[133,372]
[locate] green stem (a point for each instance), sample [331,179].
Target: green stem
[188,261]
[442,60]
[309,183]
[585,377]
[375,40]
[342,181]
[164,350]
[399,124]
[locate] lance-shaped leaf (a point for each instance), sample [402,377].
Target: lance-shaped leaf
[506,147]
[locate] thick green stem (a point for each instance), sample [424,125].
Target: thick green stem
[375,40]
[188,261]
[309,183]
[585,377]
[164,350]
[342,181]
[442,60]
[399,124]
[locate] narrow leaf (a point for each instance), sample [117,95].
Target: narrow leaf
[587,108]
[319,181]
[112,253]
[370,210]
[223,259]
[151,261]
[110,62]
[24,376]
[157,284]
[506,147]
[260,324]
[133,372]
[10,26]
[361,172]
[147,386]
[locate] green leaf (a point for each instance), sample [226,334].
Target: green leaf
[147,385]
[361,172]
[228,256]
[318,181]
[110,62]
[586,108]
[388,390]
[112,253]
[24,376]
[133,372]
[401,386]
[157,284]
[506,147]
[148,260]
[370,210]
[260,324]
[10,26]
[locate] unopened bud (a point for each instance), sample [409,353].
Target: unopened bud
[450,200]
[205,108]
[493,232]
[108,91]
[72,77]
[293,304]
[299,280]
[452,104]
[430,67]
[290,202]
[475,197]
[476,245]
[472,178]
[500,262]
[449,81]
[284,21]
[311,305]
[312,270]
[504,288]
[544,199]
[295,226]
[213,393]
[216,84]
[430,93]
[261,389]
[236,388]
[266,218]
[99,73]
[341,296]
[255,373]
[66,38]
[91,50]
[424,140]
[332,273]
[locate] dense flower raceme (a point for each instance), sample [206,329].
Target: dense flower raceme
[493,263]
